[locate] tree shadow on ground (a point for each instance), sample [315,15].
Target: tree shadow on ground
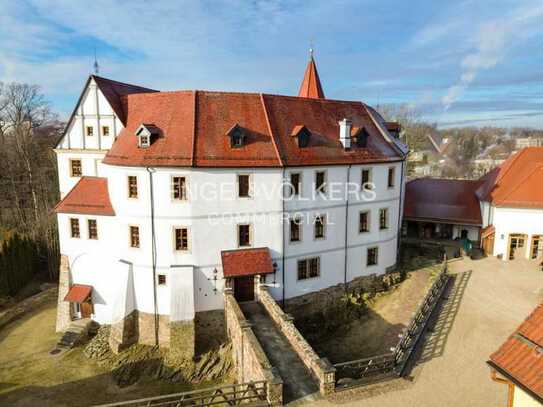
[434,340]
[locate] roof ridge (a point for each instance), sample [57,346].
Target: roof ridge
[123,83]
[513,160]
[519,184]
[194,127]
[272,135]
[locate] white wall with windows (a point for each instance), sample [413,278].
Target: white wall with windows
[211,221]
[508,221]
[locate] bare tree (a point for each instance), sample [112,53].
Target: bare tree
[27,126]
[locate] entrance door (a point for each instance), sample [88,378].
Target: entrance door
[537,247]
[86,309]
[517,246]
[488,244]
[244,288]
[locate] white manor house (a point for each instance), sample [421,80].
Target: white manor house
[169,197]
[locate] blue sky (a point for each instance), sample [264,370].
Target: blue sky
[458,62]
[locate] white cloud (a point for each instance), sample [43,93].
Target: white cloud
[490,45]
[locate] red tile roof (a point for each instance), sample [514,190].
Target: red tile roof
[78,293]
[444,200]
[517,182]
[521,356]
[193,125]
[89,196]
[311,84]
[246,262]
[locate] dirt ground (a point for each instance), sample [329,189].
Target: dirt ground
[487,300]
[376,329]
[30,376]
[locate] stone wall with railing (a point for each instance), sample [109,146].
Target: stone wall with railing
[320,368]
[250,360]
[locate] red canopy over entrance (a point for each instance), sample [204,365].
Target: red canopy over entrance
[246,262]
[78,293]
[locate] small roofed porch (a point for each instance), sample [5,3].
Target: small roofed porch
[244,269]
[80,296]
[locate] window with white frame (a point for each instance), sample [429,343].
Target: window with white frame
[74,228]
[295,230]
[76,169]
[92,226]
[134,236]
[391,177]
[179,188]
[244,235]
[244,185]
[372,256]
[181,236]
[132,186]
[309,268]
[364,222]
[295,183]
[320,227]
[383,218]
[366,179]
[320,182]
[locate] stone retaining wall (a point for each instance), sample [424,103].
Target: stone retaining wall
[323,300]
[249,358]
[321,368]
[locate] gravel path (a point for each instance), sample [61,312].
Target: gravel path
[488,300]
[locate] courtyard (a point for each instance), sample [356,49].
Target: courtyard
[486,301]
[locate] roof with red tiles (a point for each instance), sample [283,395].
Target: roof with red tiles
[89,196]
[311,84]
[194,125]
[445,200]
[520,358]
[246,262]
[78,293]
[517,182]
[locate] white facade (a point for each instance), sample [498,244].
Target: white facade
[93,112]
[122,276]
[514,221]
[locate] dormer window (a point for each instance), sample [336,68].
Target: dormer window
[360,134]
[302,135]
[146,134]
[237,136]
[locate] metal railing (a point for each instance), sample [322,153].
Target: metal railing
[227,395]
[393,364]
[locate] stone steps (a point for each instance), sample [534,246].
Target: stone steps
[76,332]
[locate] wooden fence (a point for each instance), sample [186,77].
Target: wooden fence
[254,393]
[393,364]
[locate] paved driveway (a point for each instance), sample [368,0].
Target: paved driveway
[488,300]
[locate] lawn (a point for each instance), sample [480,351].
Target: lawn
[30,375]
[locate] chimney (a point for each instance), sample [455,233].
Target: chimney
[345,126]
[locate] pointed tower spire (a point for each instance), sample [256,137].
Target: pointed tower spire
[311,85]
[95,65]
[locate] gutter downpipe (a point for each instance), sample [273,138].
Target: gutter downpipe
[153,250]
[400,212]
[283,238]
[346,225]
